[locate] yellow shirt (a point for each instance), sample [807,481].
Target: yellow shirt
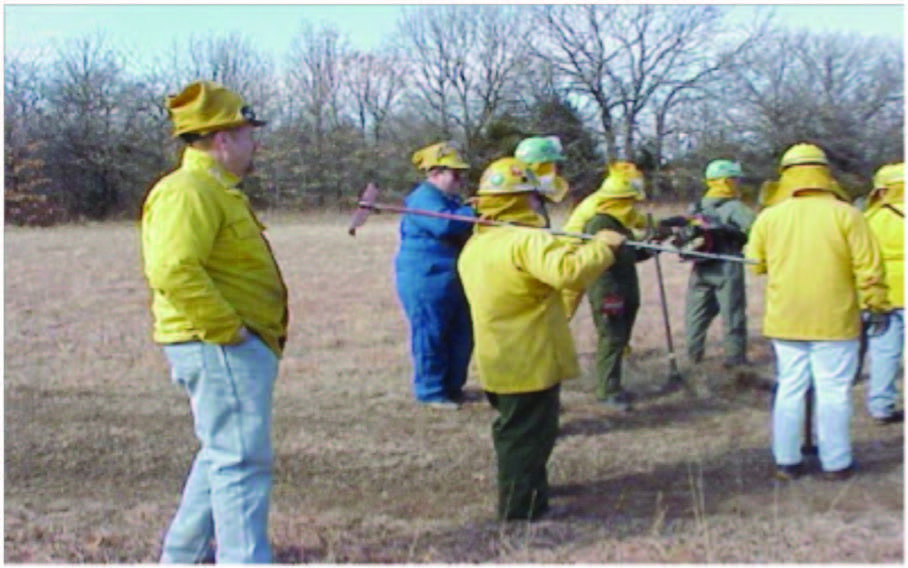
[823,267]
[209,267]
[512,278]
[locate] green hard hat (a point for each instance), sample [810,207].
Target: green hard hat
[718,169]
[539,149]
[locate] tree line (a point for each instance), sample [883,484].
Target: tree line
[669,87]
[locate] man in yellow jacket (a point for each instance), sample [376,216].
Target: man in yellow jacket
[824,267]
[513,277]
[886,216]
[220,311]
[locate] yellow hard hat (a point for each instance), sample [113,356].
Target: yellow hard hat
[888,175]
[624,180]
[440,155]
[205,106]
[507,175]
[802,155]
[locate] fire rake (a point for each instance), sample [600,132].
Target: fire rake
[368,203]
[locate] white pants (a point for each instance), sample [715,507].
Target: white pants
[832,364]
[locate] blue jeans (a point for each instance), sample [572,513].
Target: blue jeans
[832,365]
[227,494]
[885,360]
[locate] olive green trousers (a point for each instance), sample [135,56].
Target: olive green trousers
[712,290]
[524,436]
[614,335]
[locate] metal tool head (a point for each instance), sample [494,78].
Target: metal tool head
[364,208]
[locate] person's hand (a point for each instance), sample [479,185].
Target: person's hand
[241,336]
[639,234]
[875,323]
[661,233]
[659,236]
[612,238]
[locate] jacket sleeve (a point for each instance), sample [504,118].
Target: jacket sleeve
[581,214]
[563,262]
[756,245]
[742,217]
[428,200]
[869,270]
[180,230]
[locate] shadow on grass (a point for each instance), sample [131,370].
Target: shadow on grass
[657,409]
[649,416]
[645,503]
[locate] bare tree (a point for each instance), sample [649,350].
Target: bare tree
[844,92]
[322,133]
[25,159]
[376,83]
[572,39]
[634,61]
[464,63]
[24,102]
[89,114]
[316,75]
[229,59]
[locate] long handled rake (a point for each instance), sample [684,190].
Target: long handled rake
[368,203]
[675,379]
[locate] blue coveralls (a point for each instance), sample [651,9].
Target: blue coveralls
[441,332]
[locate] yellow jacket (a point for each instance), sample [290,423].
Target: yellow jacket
[512,278]
[823,266]
[209,267]
[889,229]
[584,211]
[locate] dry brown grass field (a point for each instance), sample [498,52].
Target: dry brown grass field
[98,441]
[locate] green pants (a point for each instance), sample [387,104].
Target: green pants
[524,436]
[713,289]
[614,336]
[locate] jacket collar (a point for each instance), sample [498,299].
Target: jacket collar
[194,159]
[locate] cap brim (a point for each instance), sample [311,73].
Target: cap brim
[257,122]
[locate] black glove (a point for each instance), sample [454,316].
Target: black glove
[660,233]
[875,323]
[686,234]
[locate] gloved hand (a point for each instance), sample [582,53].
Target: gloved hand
[875,323]
[612,238]
[682,237]
[660,233]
